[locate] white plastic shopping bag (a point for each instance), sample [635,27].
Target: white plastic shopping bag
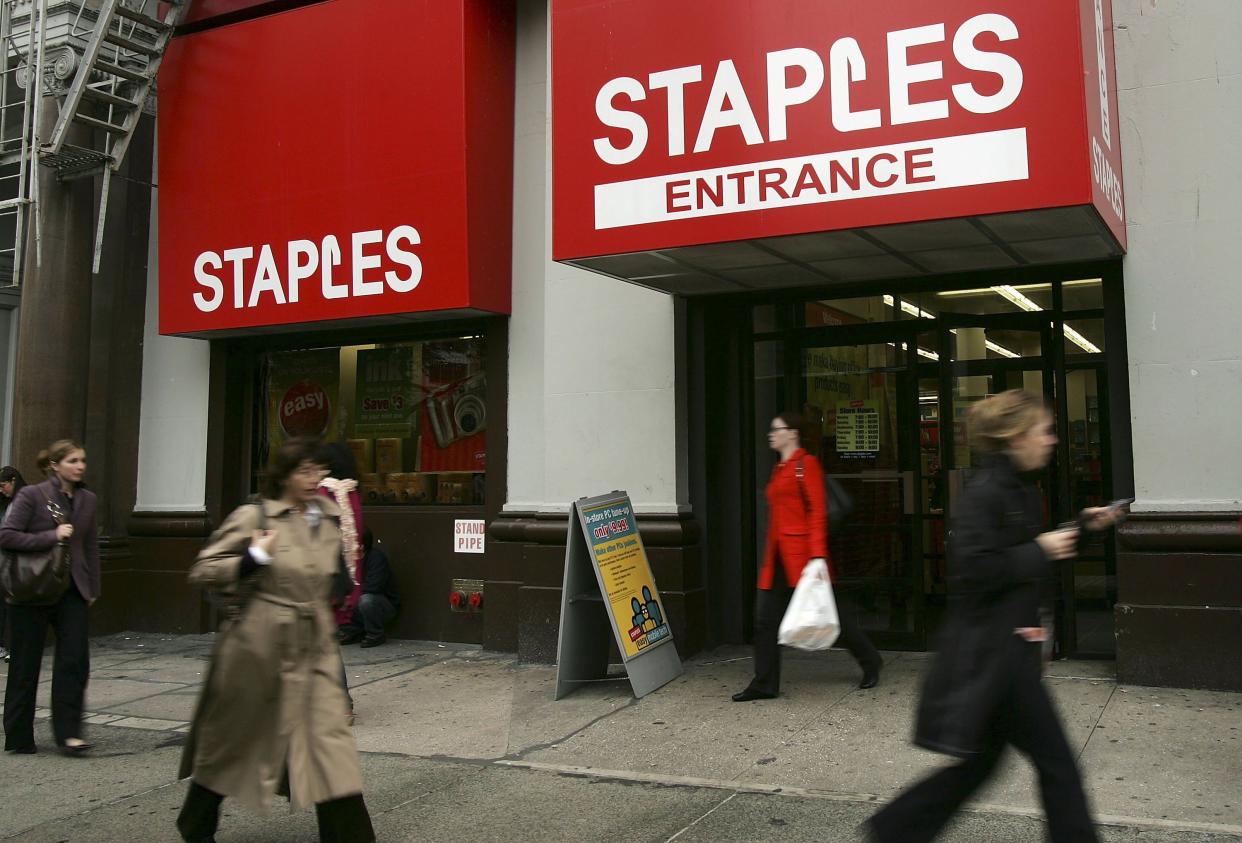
[811,621]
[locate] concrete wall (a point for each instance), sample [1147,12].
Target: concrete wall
[172,444]
[1179,74]
[592,405]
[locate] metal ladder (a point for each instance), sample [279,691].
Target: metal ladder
[119,57]
[21,56]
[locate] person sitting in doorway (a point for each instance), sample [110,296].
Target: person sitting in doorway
[379,602]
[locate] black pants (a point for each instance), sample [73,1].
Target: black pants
[1025,718]
[371,615]
[28,625]
[770,606]
[343,820]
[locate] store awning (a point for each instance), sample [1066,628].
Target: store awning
[782,147]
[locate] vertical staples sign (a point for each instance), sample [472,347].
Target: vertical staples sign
[705,121]
[334,162]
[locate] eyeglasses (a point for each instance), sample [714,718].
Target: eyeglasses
[774,429]
[311,470]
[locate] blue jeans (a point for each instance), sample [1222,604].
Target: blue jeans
[372,614]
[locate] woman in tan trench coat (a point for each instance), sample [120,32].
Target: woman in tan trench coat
[272,715]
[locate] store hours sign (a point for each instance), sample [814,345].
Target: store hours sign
[858,428]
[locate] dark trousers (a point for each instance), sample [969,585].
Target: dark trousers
[1025,718]
[371,615]
[343,820]
[71,668]
[770,606]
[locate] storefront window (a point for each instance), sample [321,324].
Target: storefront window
[414,414]
[1084,336]
[850,311]
[1085,294]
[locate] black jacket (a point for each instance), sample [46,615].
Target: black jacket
[998,577]
[377,577]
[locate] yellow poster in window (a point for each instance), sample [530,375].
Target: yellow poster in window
[303,396]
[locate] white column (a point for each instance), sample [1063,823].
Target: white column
[592,399]
[1179,75]
[172,440]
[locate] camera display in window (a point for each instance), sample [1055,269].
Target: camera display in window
[458,410]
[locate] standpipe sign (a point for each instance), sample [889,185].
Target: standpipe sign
[711,120]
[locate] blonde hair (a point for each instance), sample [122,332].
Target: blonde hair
[997,419]
[56,452]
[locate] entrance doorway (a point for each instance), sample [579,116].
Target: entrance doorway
[885,399]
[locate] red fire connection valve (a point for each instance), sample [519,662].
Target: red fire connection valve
[466,595]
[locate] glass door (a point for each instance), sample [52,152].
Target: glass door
[858,398]
[982,356]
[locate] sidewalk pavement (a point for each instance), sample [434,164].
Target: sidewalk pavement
[460,744]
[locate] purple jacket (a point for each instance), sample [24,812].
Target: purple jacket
[28,526]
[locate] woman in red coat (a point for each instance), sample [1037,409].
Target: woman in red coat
[797,534]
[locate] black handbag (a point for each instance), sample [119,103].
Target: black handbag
[40,577]
[840,504]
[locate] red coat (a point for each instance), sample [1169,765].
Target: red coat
[797,519]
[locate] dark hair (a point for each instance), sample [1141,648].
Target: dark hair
[10,473]
[368,541]
[56,452]
[339,461]
[793,420]
[289,457]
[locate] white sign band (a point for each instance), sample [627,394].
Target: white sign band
[934,164]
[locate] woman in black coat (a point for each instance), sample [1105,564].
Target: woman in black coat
[985,687]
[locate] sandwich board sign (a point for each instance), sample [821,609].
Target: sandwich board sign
[608,586]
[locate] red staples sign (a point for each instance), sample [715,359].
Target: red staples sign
[705,121]
[1100,79]
[342,160]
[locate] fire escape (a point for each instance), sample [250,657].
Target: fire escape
[97,60]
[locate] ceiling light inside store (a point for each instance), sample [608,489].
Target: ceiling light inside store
[930,355]
[915,310]
[1014,295]
[983,291]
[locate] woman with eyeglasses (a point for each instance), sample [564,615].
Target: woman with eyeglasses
[797,535]
[58,510]
[272,714]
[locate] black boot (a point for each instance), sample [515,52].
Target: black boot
[871,675]
[200,815]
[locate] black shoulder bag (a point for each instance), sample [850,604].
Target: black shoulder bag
[840,504]
[40,577]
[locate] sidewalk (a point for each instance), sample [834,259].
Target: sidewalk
[466,745]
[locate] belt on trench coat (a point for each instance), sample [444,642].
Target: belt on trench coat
[306,611]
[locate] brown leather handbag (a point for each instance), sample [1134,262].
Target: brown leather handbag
[36,578]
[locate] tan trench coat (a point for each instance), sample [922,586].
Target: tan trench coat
[273,702]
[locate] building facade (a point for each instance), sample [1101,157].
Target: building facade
[522,253]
